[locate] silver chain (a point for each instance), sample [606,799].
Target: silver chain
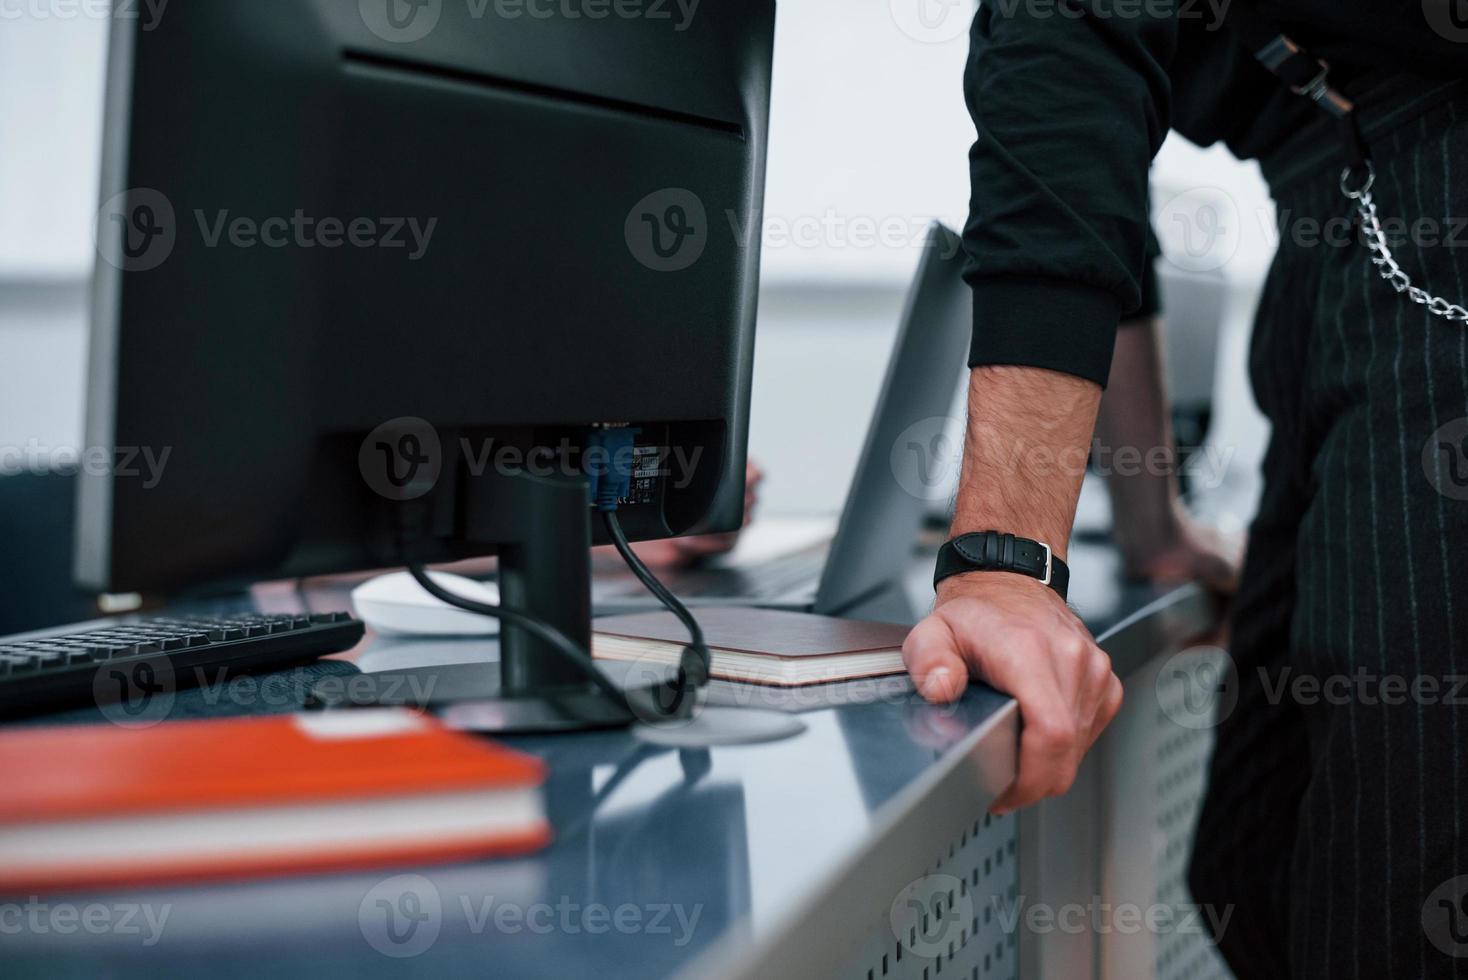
[1381,253]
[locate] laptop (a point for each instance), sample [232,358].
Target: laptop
[891,492]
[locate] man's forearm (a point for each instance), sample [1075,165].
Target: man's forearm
[1134,441]
[1134,446]
[1029,435]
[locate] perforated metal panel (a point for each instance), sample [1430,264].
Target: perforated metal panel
[1160,755]
[955,919]
[1181,765]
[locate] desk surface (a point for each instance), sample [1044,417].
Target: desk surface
[664,862]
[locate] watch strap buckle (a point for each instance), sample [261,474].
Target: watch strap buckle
[993,551]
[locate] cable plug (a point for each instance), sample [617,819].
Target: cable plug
[610,477]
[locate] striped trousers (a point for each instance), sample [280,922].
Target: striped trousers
[1333,824]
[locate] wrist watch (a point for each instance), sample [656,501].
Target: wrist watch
[991,551]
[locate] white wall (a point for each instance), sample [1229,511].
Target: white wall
[50,114]
[868,130]
[50,117]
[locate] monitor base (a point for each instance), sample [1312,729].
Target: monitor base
[712,726]
[468,697]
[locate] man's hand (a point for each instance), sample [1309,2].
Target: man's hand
[694,549]
[1185,552]
[1021,638]
[681,552]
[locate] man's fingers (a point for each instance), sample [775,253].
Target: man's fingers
[1221,576]
[1049,747]
[1047,760]
[1020,639]
[1054,738]
[931,656]
[1110,704]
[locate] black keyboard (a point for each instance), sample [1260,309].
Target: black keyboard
[105,664]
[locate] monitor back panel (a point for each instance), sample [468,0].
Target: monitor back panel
[317,220]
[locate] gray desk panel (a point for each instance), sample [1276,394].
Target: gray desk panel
[665,862]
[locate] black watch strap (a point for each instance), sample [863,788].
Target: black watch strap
[991,551]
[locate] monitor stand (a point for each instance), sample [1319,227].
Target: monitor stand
[471,697]
[539,525]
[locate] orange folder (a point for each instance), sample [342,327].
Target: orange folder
[98,806]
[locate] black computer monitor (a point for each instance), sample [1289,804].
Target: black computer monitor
[355,252]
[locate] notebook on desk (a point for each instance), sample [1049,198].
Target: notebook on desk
[759,646]
[105,806]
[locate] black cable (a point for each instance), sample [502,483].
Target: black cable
[548,634]
[694,669]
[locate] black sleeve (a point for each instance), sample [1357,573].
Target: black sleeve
[1070,99]
[1151,288]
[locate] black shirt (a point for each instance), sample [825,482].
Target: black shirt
[1072,99]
